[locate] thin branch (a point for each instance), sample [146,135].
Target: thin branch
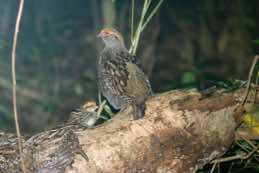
[108,110]
[236,157]
[242,147]
[218,168]
[17,25]
[250,78]
[226,159]
[231,166]
[100,109]
[213,167]
[152,14]
[250,143]
[103,105]
[142,24]
[134,44]
[132,20]
[99,97]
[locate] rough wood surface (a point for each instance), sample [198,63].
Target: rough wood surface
[180,133]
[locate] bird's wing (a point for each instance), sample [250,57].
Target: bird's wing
[123,78]
[113,77]
[116,75]
[138,85]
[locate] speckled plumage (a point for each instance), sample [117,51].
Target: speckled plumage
[120,76]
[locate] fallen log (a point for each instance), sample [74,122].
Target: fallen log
[180,133]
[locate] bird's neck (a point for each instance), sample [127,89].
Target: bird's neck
[115,48]
[109,53]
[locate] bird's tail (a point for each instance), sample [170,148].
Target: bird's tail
[139,111]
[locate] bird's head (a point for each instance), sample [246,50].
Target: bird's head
[111,38]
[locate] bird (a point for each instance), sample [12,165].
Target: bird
[85,116]
[121,78]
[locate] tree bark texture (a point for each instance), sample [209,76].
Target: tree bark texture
[181,132]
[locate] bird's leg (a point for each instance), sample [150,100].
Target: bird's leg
[138,111]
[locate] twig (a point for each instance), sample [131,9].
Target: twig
[231,166]
[236,157]
[219,168]
[99,97]
[242,147]
[132,20]
[142,24]
[101,106]
[137,34]
[108,110]
[250,143]
[213,167]
[226,159]
[250,79]
[152,14]
[17,25]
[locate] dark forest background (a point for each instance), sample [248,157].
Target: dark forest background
[188,44]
